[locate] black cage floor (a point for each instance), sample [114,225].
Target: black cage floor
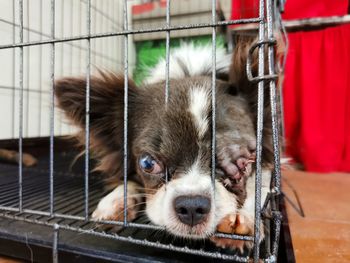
[34,242]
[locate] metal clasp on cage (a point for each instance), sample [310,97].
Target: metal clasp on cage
[251,78]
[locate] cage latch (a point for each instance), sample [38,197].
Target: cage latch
[269,42]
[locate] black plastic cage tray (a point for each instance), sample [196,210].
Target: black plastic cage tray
[33,242]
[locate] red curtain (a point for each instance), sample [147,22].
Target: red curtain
[316,86]
[317,89]
[317,99]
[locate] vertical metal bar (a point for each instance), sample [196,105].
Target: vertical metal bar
[103,44]
[125,148]
[80,33]
[55,243]
[99,50]
[167,51]
[63,18]
[13,70]
[275,128]
[273,96]
[62,35]
[87,109]
[106,29]
[71,58]
[27,73]
[111,42]
[20,145]
[213,89]
[52,107]
[70,64]
[259,132]
[167,61]
[40,66]
[277,220]
[94,43]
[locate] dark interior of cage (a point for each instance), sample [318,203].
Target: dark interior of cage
[27,235]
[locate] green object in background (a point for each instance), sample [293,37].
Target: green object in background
[149,52]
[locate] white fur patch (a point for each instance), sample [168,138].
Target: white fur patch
[190,60]
[199,105]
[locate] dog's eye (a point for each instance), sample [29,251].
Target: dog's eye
[149,165]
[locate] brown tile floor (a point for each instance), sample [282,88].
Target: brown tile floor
[323,235]
[8,260]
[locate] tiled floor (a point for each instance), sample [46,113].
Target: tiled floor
[8,260]
[323,235]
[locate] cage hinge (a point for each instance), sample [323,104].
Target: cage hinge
[273,212]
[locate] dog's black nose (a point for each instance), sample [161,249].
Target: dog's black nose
[192,210]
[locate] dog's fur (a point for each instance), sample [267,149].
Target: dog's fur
[178,136]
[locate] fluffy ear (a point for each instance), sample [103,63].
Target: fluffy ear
[238,71]
[106,114]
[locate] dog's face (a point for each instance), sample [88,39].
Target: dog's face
[174,144]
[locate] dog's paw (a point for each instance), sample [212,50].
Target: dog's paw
[234,224]
[235,157]
[111,207]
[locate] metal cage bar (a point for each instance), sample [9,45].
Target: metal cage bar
[52,107]
[133,31]
[126,92]
[56,229]
[20,140]
[167,66]
[213,93]
[13,94]
[87,109]
[259,133]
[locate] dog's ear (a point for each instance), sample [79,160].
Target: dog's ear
[238,70]
[238,67]
[106,114]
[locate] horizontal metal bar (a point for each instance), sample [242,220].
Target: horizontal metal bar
[129,239]
[118,223]
[316,22]
[41,34]
[131,32]
[25,89]
[298,24]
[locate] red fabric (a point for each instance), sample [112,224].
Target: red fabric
[298,9]
[294,9]
[244,9]
[317,99]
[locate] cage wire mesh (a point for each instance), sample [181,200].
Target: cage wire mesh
[44,40]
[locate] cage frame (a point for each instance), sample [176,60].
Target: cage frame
[267,17]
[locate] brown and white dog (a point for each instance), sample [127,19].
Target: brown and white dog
[176,138]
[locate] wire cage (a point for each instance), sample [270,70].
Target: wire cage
[48,207]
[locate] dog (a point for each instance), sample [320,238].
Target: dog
[169,144]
